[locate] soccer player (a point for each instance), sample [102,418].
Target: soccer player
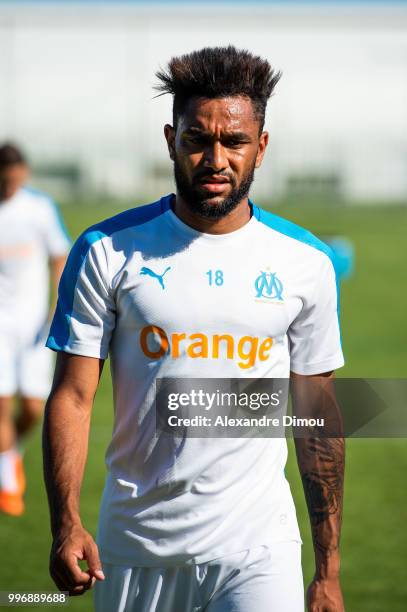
[202,283]
[31,239]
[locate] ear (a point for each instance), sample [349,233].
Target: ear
[169,133]
[263,142]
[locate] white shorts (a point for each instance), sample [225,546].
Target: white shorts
[25,368]
[263,579]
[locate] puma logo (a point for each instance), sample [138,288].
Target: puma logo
[159,277]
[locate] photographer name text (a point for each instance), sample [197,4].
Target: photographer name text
[227,421]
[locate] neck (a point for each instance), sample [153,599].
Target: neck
[234,220]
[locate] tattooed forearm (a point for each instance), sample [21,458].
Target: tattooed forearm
[321,462]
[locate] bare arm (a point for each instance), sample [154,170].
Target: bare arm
[56,266]
[321,461]
[65,447]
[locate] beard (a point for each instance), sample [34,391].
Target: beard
[200,204]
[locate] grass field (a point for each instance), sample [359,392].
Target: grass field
[374,307]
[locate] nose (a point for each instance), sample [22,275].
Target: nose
[215,157]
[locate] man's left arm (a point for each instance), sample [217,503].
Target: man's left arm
[321,461]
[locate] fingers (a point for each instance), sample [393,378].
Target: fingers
[92,556]
[68,576]
[64,563]
[72,590]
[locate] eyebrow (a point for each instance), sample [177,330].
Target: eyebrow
[199,131]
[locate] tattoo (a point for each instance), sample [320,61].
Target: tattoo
[322,477]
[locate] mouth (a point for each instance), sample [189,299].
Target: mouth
[214,184]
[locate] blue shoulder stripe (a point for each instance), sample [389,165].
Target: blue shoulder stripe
[36,192]
[60,220]
[288,228]
[60,328]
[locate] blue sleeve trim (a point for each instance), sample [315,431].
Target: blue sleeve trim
[60,329]
[288,228]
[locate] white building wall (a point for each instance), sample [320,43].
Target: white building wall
[76,84]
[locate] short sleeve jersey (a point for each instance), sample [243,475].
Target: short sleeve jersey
[158,296]
[31,232]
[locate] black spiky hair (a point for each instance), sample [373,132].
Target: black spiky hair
[218,72]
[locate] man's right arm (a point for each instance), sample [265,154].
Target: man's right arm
[65,447]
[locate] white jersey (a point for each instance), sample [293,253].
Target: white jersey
[30,233]
[157,296]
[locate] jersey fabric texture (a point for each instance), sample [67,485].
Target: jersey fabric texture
[31,232]
[156,295]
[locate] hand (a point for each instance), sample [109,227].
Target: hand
[325,595]
[69,547]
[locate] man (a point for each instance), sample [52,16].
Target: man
[31,238]
[171,290]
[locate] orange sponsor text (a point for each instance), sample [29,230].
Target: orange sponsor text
[155,343]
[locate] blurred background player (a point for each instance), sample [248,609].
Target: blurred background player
[33,248]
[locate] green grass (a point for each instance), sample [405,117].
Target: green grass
[374,307]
